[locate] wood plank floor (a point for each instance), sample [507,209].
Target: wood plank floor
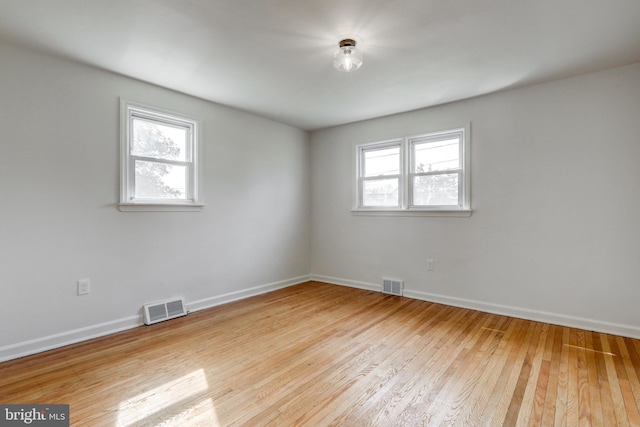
[318,354]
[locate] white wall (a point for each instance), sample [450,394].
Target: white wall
[555,230]
[59,220]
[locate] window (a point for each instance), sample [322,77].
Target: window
[381,183]
[159,159]
[420,174]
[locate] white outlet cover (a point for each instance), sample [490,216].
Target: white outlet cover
[84,286]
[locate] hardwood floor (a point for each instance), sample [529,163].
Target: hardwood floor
[318,354]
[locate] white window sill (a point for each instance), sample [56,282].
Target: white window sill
[460,213]
[158,207]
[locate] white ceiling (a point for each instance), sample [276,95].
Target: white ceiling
[273,57]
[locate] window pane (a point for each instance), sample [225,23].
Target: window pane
[160,181]
[436,155]
[158,140]
[435,190]
[380,192]
[385,161]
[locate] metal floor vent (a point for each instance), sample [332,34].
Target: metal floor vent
[393,287]
[154,313]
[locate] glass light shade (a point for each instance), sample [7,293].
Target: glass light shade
[347,57]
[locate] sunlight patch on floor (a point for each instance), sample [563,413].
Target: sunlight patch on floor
[180,402]
[201,413]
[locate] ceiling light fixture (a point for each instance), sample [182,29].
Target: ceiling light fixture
[347,57]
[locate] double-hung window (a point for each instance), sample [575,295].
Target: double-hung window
[159,159]
[380,177]
[423,174]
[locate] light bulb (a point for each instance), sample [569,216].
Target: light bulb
[347,61]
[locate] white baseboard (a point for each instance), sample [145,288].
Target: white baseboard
[346,282]
[38,345]
[245,293]
[518,312]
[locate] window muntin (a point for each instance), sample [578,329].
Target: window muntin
[159,157]
[421,173]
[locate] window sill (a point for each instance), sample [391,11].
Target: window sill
[158,207]
[459,213]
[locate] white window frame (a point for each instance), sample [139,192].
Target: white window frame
[129,110]
[362,149]
[406,206]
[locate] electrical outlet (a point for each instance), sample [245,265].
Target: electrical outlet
[84,286]
[430,264]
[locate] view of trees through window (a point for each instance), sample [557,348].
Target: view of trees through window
[435,188]
[155,146]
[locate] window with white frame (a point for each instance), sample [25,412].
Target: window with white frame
[159,158]
[380,178]
[423,173]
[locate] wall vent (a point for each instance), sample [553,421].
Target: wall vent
[154,313]
[392,286]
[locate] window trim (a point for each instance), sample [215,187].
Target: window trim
[129,110]
[406,206]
